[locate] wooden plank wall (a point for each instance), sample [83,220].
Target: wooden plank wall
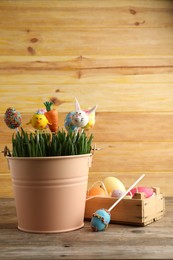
[117,54]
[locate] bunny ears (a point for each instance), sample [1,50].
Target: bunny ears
[78,108]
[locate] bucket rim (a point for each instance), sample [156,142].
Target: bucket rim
[50,157]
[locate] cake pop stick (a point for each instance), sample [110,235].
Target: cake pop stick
[101,217]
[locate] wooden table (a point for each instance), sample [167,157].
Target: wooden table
[154,241]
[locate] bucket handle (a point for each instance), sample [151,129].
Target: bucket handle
[95,149]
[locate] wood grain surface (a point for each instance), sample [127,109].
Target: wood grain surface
[117,242]
[116,54]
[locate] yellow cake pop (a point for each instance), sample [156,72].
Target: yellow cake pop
[39,120]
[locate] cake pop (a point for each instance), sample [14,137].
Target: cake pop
[80,118]
[12,118]
[52,116]
[101,218]
[39,120]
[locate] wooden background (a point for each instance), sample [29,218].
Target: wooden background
[117,54]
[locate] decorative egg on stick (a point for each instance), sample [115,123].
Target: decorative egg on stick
[102,217]
[12,118]
[91,115]
[39,120]
[52,116]
[80,119]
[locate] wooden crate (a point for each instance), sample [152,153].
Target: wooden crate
[138,211]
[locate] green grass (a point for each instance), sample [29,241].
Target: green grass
[47,144]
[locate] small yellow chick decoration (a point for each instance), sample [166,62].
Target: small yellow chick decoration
[39,121]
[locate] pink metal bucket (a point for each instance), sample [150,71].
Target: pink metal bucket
[50,192]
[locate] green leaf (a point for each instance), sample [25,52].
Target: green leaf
[48,144]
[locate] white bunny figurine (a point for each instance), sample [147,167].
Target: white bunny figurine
[79,118]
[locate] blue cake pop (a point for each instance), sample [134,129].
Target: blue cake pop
[101,218]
